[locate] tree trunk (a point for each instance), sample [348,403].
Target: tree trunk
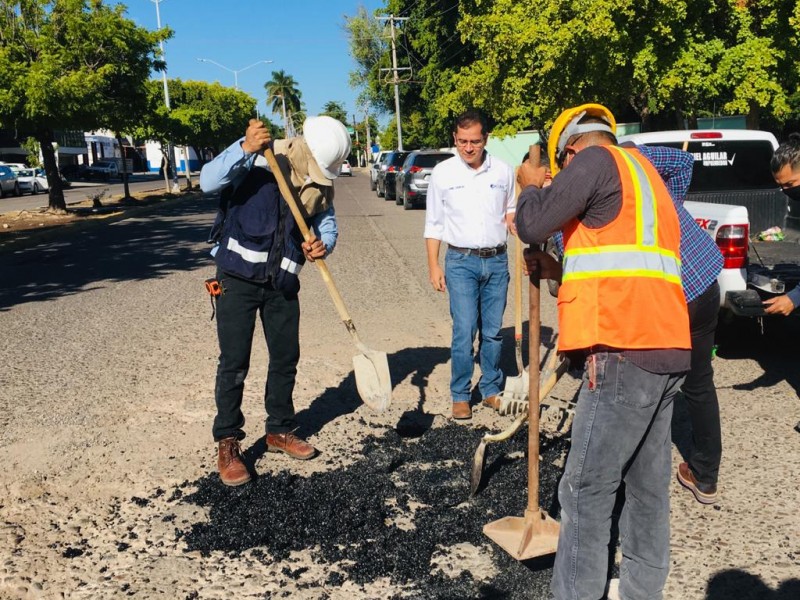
[56,202]
[124,168]
[754,116]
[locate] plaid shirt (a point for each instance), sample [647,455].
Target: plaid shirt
[701,259]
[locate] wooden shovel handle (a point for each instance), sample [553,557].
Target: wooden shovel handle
[534,339]
[293,200]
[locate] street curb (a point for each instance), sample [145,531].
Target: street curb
[27,239]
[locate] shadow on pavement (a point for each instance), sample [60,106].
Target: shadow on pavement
[745,586]
[135,249]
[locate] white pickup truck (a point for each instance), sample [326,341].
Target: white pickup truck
[733,197]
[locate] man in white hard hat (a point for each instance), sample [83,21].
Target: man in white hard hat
[259,252]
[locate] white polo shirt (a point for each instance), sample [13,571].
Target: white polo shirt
[466,207]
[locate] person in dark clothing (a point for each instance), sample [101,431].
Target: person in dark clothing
[259,254]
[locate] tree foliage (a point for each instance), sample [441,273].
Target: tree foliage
[72,64]
[523,61]
[336,110]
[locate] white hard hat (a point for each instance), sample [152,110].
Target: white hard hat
[329,143]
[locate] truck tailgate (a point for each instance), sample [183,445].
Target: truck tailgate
[766,208]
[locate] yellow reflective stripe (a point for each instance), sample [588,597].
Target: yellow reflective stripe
[620,248]
[646,206]
[622,273]
[623,262]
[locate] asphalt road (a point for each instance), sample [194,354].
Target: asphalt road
[106,403]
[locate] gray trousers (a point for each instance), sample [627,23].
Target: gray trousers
[621,433]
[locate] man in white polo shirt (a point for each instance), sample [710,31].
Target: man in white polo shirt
[470,206]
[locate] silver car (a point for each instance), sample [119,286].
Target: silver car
[8,181]
[412,181]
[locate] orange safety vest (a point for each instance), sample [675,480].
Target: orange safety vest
[621,284]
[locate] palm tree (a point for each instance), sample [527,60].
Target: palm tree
[283,91]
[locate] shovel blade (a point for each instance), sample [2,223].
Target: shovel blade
[525,537]
[476,474]
[373,382]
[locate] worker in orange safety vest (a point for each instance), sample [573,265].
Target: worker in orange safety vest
[621,304]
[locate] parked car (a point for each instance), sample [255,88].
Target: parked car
[386,177]
[411,183]
[102,169]
[377,160]
[345,169]
[8,181]
[32,181]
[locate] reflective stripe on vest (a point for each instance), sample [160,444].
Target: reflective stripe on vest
[291,266]
[254,256]
[622,261]
[251,256]
[642,259]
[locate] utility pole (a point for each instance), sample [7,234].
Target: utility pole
[395,78]
[369,139]
[170,155]
[355,129]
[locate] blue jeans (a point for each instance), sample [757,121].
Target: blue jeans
[478,288]
[620,434]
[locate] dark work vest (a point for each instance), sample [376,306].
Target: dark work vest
[259,239]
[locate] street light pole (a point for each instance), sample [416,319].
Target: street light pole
[168,157]
[234,71]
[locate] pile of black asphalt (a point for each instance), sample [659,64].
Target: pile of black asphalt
[341,516]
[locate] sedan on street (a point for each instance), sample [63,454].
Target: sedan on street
[32,181]
[9,184]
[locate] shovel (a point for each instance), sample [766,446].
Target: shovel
[516,388]
[371,367]
[535,534]
[556,367]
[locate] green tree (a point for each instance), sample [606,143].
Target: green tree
[430,49]
[71,64]
[283,92]
[336,110]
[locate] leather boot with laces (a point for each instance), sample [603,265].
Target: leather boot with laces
[290,444]
[232,470]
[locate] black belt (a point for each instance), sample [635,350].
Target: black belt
[480,252]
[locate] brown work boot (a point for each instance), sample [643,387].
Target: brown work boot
[705,493]
[291,445]
[230,464]
[492,402]
[462,410]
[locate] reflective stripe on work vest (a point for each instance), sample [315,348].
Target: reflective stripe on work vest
[642,259]
[622,261]
[254,256]
[291,266]
[251,256]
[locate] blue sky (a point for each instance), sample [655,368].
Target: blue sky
[304,38]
